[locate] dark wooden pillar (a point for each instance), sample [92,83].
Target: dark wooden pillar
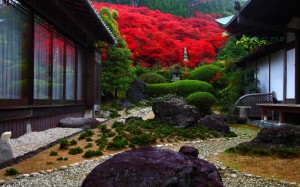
[90,76]
[297,68]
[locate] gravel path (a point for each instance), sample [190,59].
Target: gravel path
[34,140]
[73,175]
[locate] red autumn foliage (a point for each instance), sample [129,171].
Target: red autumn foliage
[155,37]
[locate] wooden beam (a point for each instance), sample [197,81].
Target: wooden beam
[242,20]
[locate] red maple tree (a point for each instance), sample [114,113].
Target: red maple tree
[158,38]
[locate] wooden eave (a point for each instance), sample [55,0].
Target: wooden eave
[263,17]
[84,10]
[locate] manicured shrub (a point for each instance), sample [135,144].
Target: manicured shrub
[75,151]
[88,139]
[11,171]
[187,87]
[61,159]
[207,73]
[64,144]
[88,145]
[117,144]
[53,153]
[152,78]
[167,74]
[86,134]
[202,101]
[182,88]
[73,142]
[143,139]
[92,153]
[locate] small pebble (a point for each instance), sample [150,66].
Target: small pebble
[63,167]
[233,175]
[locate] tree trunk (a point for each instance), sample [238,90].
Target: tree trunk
[116,93]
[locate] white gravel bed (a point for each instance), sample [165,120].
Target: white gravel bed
[34,140]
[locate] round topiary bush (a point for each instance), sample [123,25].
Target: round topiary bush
[152,78]
[181,88]
[205,73]
[202,101]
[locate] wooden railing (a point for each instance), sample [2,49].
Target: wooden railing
[251,100]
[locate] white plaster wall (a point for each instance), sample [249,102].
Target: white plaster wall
[290,74]
[263,74]
[277,59]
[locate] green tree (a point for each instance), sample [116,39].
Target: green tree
[118,72]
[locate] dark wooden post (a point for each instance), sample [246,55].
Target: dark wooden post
[297,68]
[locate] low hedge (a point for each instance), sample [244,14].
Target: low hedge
[202,101]
[182,88]
[152,78]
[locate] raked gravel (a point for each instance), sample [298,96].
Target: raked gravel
[34,140]
[73,175]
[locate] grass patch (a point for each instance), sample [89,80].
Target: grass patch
[277,152]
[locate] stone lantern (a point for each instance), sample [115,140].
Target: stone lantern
[176,74]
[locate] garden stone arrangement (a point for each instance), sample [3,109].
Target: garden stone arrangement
[74,174]
[278,136]
[175,112]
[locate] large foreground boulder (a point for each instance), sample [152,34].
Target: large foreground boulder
[149,167]
[277,136]
[215,124]
[175,112]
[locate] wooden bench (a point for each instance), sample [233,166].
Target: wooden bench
[281,108]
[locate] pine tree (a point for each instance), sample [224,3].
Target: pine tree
[117,70]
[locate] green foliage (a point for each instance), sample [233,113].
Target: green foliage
[53,153]
[75,151]
[117,144]
[117,70]
[277,152]
[143,139]
[92,153]
[61,159]
[88,145]
[202,101]
[88,139]
[205,73]
[182,88]
[73,142]
[114,114]
[152,78]
[181,7]
[231,134]
[231,52]
[11,171]
[251,43]
[85,134]
[64,144]
[101,142]
[167,74]
[140,70]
